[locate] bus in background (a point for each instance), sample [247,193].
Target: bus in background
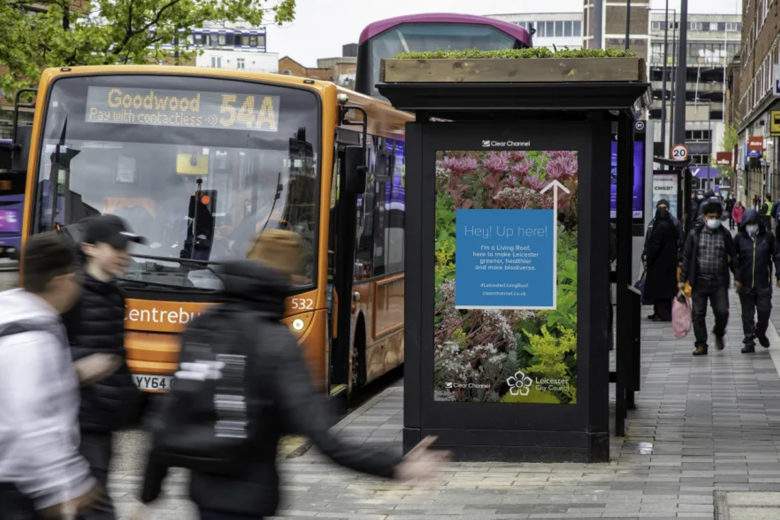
[12,178]
[429,32]
[200,161]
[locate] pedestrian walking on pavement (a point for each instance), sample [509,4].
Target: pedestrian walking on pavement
[708,256]
[281,400]
[766,212]
[661,257]
[96,325]
[42,474]
[730,202]
[737,213]
[756,252]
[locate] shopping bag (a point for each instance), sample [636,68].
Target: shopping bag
[639,285]
[681,315]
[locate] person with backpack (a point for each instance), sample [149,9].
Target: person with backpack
[242,383]
[756,252]
[708,256]
[96,324]
[42,473]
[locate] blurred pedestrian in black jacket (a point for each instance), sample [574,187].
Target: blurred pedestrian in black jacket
[96,326]
[260,286]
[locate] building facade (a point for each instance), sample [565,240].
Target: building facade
[712,42]
[233,47]
[551,30]
[613,26]
[754,93]
[339,69]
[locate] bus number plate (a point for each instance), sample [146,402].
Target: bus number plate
[153,383]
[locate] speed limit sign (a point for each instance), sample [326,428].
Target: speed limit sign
[679,152]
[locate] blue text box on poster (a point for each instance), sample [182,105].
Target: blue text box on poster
[505,259]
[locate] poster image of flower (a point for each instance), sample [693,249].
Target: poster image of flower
[495,354]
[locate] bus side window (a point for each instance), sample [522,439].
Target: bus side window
[365,221]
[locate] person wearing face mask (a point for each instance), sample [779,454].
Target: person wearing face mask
[756,251]
[661,262]
[708,256]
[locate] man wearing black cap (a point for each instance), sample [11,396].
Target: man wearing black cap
[708,257]
[96,326]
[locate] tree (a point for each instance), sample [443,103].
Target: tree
[730,138]
[54,33]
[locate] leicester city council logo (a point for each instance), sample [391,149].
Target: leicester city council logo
[519,384]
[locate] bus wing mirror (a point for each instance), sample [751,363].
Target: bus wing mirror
[355,164]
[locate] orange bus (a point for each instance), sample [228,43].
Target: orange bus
[200,161]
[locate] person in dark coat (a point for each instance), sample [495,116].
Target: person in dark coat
[756,252]
[730,201]
[708,257]
[661,257]
[293,406]
[96,325]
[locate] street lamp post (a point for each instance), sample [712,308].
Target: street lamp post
[628,24]
[679,102]
[664,74]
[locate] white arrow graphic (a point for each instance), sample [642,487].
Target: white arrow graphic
[555,185]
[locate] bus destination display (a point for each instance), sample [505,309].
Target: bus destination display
[182,108]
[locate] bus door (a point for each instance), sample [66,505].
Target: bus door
[349,174]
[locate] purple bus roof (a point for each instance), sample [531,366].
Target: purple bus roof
[515,31]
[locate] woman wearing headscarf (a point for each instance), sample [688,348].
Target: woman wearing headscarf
[661,256]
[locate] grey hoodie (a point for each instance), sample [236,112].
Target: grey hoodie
[39,404]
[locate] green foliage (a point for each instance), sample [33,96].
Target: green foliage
[536,52]
[730,138]
[554,357]
[565,314]
[42,34]
[535,396]
[445,239]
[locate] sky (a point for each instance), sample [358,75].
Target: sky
[321,27]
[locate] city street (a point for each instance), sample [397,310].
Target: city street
[444,216]
[703,434]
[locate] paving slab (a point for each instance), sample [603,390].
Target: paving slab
[703,427]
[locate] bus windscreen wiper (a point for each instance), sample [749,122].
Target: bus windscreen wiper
[173,287]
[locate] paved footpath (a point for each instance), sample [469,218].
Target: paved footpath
[703,441]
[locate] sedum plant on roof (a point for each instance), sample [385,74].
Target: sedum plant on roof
[539,52]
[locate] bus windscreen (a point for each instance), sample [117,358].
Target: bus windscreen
[198,166]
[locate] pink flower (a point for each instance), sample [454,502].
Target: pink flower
[497,162]
[562,166]
[521,168]
[535,183]
[517,156]
[459,164]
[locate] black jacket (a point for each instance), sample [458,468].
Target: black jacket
[296,407]
[689,263]
[96,324]
[755,255]
[661,256]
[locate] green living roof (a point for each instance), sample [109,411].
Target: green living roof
[539,52]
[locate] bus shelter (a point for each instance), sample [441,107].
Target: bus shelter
[508,253]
